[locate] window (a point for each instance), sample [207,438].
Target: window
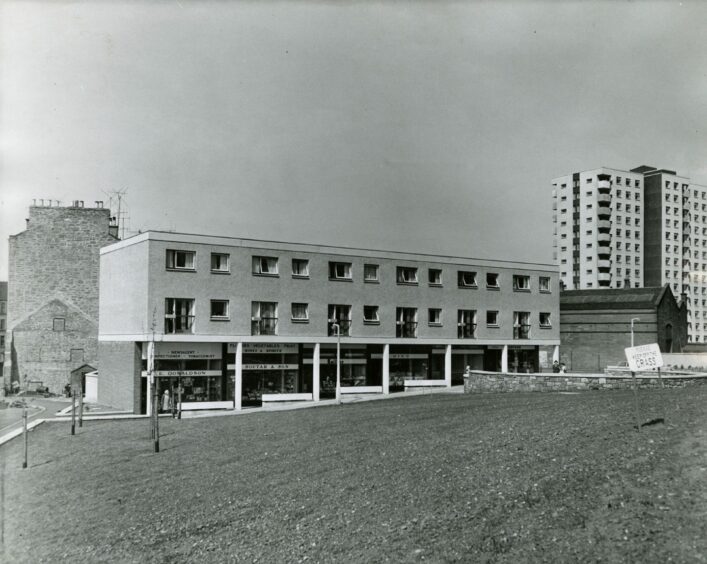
[466,324]
[521,325]
[521,283]
[544,283]
[265,266]
[370,315]
[264,318]
[466,279]
[339,271]
[58,324]
[300,313]
[180,260]
[179,315]
[339,315]
[300,268]
[219,310]
[434,276]
[406,322]
[492,279]
[545,319]
[406,275]
[370,273]
[220,262]
[492,318]
[2,344]
[3,308]
[434,316]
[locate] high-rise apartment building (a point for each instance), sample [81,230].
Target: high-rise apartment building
[641,227]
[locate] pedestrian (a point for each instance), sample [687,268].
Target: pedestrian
[165,401]
[563,368]
[556,366]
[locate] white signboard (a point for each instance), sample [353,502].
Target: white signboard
[184,351]
[179,373]
[645,357]
[266,348]
[270,366]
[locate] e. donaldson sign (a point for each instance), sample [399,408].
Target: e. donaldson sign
[645,357]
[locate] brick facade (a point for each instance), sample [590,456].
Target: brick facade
[53,274]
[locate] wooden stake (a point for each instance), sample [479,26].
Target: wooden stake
[73,412]
[635,400]
[24,431]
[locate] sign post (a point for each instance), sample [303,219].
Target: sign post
[24,431]
[644,357]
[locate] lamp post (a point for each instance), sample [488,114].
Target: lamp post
[632,320]
[338,361]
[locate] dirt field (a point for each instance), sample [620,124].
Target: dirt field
[506,478]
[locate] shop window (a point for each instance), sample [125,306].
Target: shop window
[180,260]
[219,310]
[521,283]
[340,271]
[492,278]
[434,276]
[370,273]
[434,316]
[300,313]
[492,318]
[544,284]
[264,318]
[406,275]
[59,324]
[300,268]
[339,315]
[179,315]
[545,319]
[466,324]
[521,325]
[370,315]
[265,266]
[466,279]
[220,262]
[406,322]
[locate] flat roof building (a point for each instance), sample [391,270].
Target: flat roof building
[239,322]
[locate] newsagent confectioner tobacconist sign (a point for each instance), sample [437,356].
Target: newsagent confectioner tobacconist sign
[645,357]
[185,351]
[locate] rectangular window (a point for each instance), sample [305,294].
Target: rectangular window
[544,283]
[179,315]
[492,318]
[434,276]
[219,310]
[339,271]
[265,266]
[545,319]
[521,283]
[220,262]
[2,327]
[370,315]
[466,324]
[521,325]
[300,313]
[370,273]
[180,260]
[406,322]
[264,318]
[434,316]
[466,279]
[492,279]
[58,324]
[339,315]
[3,308]
[300,268]
[406,275]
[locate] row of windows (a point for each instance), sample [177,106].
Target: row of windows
[617,182]
[180,318]
[269,266]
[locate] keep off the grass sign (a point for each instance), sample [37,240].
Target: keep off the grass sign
[644,357]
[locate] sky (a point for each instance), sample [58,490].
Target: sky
[429,127]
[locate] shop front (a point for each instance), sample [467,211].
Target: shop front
[523,358]
[361,368]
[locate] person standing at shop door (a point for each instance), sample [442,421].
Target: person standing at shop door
[165,401]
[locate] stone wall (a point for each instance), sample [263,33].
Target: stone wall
[484,382]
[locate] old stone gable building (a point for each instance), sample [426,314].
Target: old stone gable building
[52,311]
[595,325]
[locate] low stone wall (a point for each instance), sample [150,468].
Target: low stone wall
[482,382]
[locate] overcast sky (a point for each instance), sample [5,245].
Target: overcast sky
[431,126]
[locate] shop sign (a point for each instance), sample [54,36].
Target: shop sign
[265,348]
[644,357]
[273,366]
[185,351]
[179,373]
[402,356]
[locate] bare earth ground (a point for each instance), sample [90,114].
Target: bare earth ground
[503,478]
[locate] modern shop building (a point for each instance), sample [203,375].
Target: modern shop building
[238,322]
